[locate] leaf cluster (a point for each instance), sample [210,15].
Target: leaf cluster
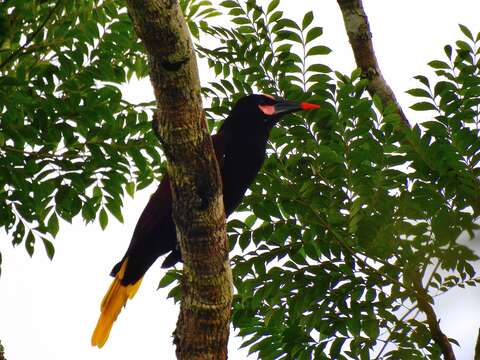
[350,201]
[69,143]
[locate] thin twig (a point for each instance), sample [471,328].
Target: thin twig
[393,331]
[31,36]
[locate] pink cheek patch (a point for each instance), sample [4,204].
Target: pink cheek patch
[267,109]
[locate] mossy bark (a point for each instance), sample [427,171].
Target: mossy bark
[203,325]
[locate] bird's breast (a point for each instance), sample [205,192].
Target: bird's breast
[240,168]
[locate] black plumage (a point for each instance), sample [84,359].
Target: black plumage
[240,147]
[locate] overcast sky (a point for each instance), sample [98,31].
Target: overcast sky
[49,309]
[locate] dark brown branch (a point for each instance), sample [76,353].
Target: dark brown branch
[203,324]
[424,305]
[477,347]
[360,36]
[31,36]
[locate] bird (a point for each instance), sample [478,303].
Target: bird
[240,148]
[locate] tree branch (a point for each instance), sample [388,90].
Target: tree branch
[424,305]
[360,36]
[203,324]
[477,347]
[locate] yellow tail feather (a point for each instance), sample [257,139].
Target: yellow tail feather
[112,303]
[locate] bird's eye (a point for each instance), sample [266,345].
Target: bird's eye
[267,100]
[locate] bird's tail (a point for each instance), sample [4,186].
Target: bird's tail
[112,303]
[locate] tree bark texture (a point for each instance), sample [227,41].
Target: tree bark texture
[203,324]
[360,36]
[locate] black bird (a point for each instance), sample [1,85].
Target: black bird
[240,148]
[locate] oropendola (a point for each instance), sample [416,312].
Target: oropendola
[240,148]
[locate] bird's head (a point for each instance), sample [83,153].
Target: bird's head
[260,111]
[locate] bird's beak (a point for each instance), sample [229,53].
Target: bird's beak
[287,107]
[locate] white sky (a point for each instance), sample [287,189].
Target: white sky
[48,309]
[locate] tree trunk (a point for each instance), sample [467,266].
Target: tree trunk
[203,324]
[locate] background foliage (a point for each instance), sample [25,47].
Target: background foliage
[69,143]
[351,207]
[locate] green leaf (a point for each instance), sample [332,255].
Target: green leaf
[435,128]
[250,220]
[194,29]
[442,87]
[272,6]
[286,23]
[246,30]
[244,240]
[336,347]
[289,35]
[370,327]
[313,34]
[114,208]
[466,31]
[419,93]
[319,50]
[437,64]
[448,51]
[354,326]
[53,225]
[130,188]
[167,279]
[307,20]
[275,17]
[462,45]
[229,4]
[423,106]
[30,243]
[423,80]
[378,103]
[321,68]
[240,20]
[103,219]
[393,119]
[9,81]
[49,248]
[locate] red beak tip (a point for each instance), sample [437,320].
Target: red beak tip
[309,106]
